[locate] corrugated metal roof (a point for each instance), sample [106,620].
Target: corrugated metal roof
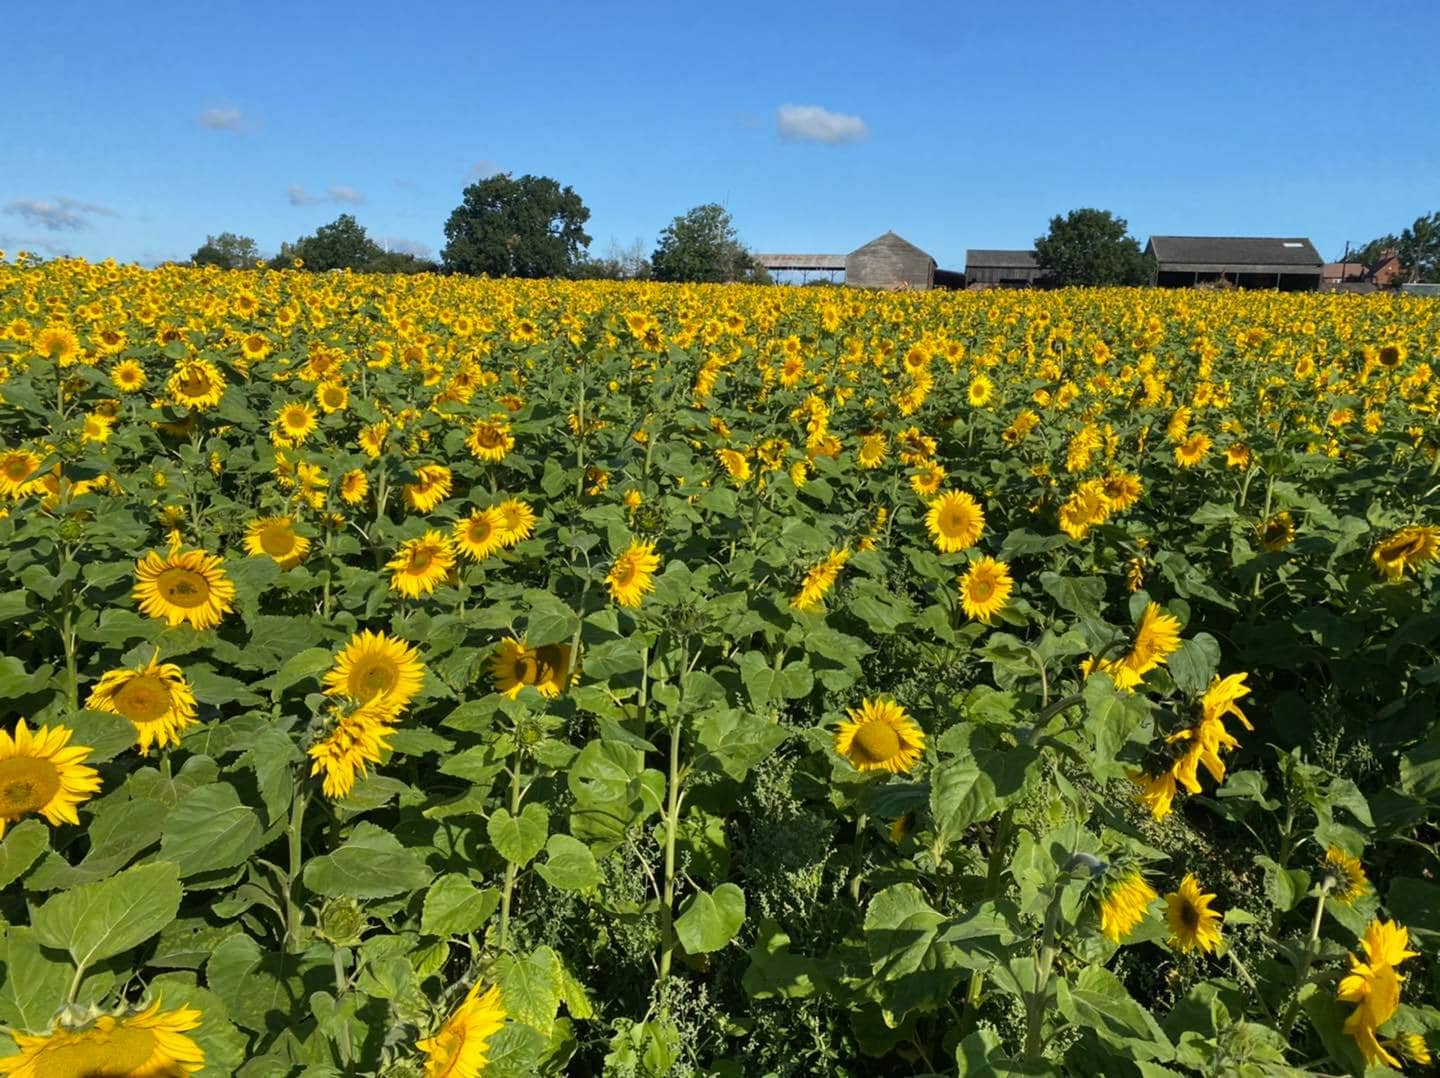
[801,262]
[1258,254]
[1000,259]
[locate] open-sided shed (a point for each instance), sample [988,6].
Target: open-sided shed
[1287,264]
[1001,269]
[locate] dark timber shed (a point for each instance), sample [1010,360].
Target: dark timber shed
[889,262]
[1001,269]
[1286,264]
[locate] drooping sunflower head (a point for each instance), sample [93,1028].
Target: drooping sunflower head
[1124,903]
[819,580]
[461,1045]
[1413,545]
[421,565]
[184,586]
[631,577]
[155,697]
[985,588]
[490,439]
[356,738]
[1350,884]
[955,521]
[275,537]
[151,1042]
[374,664]
[41,772]
[1156,638]
[432,486]
[1277,531]
[1192,922]
[1156,792]
[880,736]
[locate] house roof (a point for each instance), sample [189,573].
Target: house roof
[892,242]
[975,259]
[1260,254]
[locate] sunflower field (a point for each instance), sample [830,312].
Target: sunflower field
[437,676]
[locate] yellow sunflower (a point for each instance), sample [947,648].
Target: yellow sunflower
[293,424]
[127,376]
[515,665]
[1121,490]
[1192,450]
[1374,985]
[631,577]
[150,1044]
[819,580]
[490,439]
[985,588]
[459,1048]
[40,771]
[1411,546]
[17,470]
[1157,637]
[1123,905]
[927,479]
[431,487]
[1277,531]
[187,586]
[57,343]
[155,697]
[880,736]
[872,451]
[354,486]
[480,534]
[275,537]
[735,463]
[332,397]
[1156,792]
[373,664]
[517,521]
[1351,883]
[196,383]
[420,565]
[955,521]
[1192,922]
[356,739]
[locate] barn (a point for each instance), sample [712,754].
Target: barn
[889,262]
[1001,269]
[1287,264]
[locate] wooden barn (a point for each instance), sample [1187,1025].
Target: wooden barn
[889,262]
[1286,264]
[1001,269]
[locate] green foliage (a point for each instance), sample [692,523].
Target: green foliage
[227,251]
[509,227]
[1092,248]
[702,245]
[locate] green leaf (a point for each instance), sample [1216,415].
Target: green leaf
[307,664]
[1098,1002]
[99,920]
[1081,595]
[32,986]
[569,864]
[1195,663]
[519,838]
[737,741]
[774,970]
[530,987]
[550,621]
[21,846]
[709,920]
[16,682]
[372,864]
[914,969]
[209,830]
[455,906]
[960,795]
[106,735]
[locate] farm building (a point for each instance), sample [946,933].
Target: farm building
[1001,269]
[1286,264]
[889,262]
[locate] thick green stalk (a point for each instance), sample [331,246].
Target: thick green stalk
[672,820]
[1292,1008]
[1036,1002]
[298,805]
[512,870]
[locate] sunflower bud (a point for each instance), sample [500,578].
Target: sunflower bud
[342,922]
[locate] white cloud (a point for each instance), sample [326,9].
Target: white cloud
[222,118]
[58,215]
[299,196]
[811,123]
[482,169]
[339,192]
[403,246]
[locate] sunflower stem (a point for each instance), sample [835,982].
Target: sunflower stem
[1035,1002]
[667,902]
[580,436]
[298,805]
[994,873]
[512,870]
[1303,971]
[75,982]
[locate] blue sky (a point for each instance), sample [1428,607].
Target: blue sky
[133,130]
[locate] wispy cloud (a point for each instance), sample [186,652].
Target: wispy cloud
[13,245]
[811,123]
[339,192]
[336,192]
[222,118]
[400,245]
[482,169]
[300,197]
[59,214]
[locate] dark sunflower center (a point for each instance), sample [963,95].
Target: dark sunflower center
[182,587]
[1189,916]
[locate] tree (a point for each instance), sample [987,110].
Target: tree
[228,251]
[1419,249]
[342,244]
[530,227]
[1092,247]
[702,245]
[1372,251]
[617,264]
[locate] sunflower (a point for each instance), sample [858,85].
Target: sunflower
[372,439]
[1156,792]
[196,383]
[735,463]
[480,534]
[254,346]
[1084,509]
[17,469]
[371,664]
[490,439]
[57,343]
[1157,637]
[332,397]
[955,521]
[985,588]
[127,376]
[980,391]
[819,580]
[880,737]
[630,578]
[431,487]
[184,586]
[517,521]
[97,428]
[871,453]
[1192,922]
[1192,450]
[354,486]
[1121,490]
[421,564]
[293,424]
[1238,455]
[1412,545]
[1391,355]
[459,1048]
[515,665]
[355,739]
[275,537]
[39,773]
[927,479]
[1277,531]
[1351,883]
[1374,985]
[149,1044]
[1123,905]
[156,699]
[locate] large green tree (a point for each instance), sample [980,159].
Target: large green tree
[342,244]
[507,227]
[1419,249]
[702,245]
[1092,247]
[228,251]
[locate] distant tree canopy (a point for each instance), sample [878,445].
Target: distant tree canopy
[344,244]
[228,251]
[616,264]
[1091,247]
[1418,248]
[702,245]
[1372,251]
[507,227]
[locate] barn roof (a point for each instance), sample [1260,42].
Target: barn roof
[975,259]
[801,262]
[1260,254]
[890,241]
